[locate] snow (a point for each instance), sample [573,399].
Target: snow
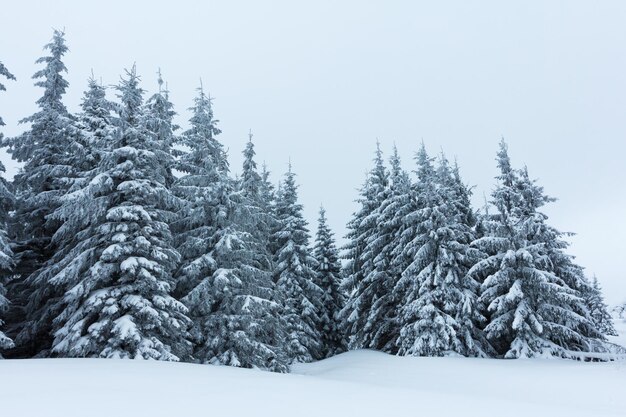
[359,383]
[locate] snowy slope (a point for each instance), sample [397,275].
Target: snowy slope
[360,383]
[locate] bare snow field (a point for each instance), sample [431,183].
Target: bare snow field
[358,383]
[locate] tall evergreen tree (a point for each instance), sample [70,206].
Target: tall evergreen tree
[437,298]
[159,120]
[387,260]
[253,215]
[257,193]
[235,309]
[328,278]
[202,188]
[44,150]
[6,254]
[532,310]
[295,277]
[462,197]
[91,133]
[364,287]
[120,305]
[267,189]
[563,266]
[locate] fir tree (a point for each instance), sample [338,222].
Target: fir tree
[437,298]
[44,150]
[564,267]
[295,277]
[235,310]
[267,189]
[257,193]
[387,258]
[532,311]
[6,254]
[598,310]
[118,301]
[328,278]
[91,133]
[364,287]
[159,116]
[251,183]
[202,188]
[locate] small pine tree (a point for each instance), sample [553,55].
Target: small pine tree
[295,277]
[599,311]
[328,278]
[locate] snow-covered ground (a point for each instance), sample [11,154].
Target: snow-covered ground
[360,383]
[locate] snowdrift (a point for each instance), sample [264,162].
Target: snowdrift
[359,383]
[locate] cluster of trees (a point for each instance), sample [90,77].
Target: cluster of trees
[123,236]
[429,276]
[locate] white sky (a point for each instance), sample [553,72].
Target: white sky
[319,81]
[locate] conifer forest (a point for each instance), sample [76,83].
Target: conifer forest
[126,236]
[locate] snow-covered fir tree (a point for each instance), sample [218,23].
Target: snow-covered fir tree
[532,311]
[362,284]
[203,188]
[159,120]
[257,192]
[225,277]
[462,197]
[384,258]
[563,266]
[262,304]
[91,133]
[328,276]
[6,254]
[598,309]
[119,304]
[390,260]
[235,310]
[295,277]
[438,301]
[267,189]
[43,149]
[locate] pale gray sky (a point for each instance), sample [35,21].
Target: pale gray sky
[319,81]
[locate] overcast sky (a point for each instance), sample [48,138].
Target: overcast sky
[320,81]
